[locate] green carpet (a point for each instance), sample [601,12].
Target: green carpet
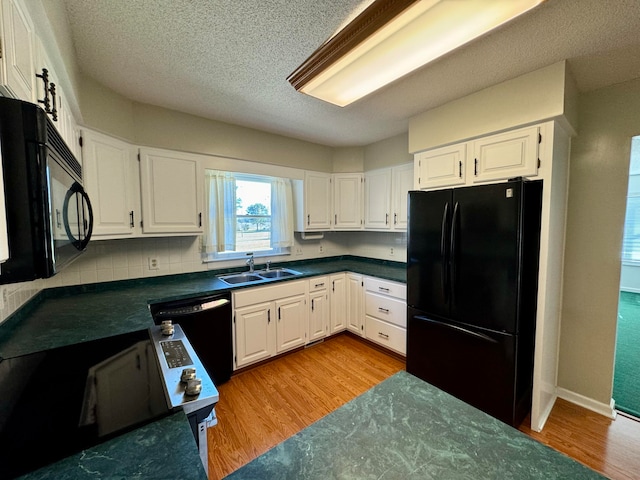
[626,380]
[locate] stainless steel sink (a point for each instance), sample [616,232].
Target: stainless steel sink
[278,273]
[258,276]
[237,278]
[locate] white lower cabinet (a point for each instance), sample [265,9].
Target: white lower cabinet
[254,334]
[319,308]
[338,303]
[386,313]
[290,327]
[269,320]
[355,299]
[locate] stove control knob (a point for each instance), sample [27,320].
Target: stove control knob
[167,328]
[188,374]
[194,387]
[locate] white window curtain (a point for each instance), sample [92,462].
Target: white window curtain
[281,213]
[220,228]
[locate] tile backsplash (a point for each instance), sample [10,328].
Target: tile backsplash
[111,260]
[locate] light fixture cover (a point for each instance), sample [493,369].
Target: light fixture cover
[392,38]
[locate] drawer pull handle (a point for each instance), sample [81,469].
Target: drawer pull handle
[383,335]
[383,289]
[319,285]
[383,310]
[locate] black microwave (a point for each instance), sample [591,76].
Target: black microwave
[49,216]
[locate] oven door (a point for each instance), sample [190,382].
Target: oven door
[70,212]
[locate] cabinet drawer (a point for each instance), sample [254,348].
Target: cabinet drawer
[385,308]
[318,283]
[385,287]
[385,334]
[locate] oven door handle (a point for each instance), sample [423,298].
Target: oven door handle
[76,189]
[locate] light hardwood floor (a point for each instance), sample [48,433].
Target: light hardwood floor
[265,405]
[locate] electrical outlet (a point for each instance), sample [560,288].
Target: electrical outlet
[153,263]
[298,250]
[391,252]
[321,248]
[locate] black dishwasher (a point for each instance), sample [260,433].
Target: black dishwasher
[207,323]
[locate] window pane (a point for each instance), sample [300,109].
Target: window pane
[253,213]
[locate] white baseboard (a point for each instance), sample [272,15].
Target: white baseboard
[588,403]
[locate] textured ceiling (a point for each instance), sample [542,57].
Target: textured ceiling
[229,61]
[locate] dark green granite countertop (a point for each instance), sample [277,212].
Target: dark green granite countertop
[405,428]
[68,315]
[139,454]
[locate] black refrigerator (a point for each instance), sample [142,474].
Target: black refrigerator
[472,284]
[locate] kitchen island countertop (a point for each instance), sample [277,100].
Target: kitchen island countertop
[405,428]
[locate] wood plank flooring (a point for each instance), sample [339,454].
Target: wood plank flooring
[263,406]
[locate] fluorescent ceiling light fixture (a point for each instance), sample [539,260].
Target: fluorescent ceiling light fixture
[392,38]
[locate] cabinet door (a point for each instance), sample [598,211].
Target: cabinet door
[18,71]
[506,155]
[441,167]
[338,303]
[171,185]
[347,201]
[254,337]
[317,201]
[377,199]
[319,315]
[291,322]
[402,182]
[110,180]
[355,300]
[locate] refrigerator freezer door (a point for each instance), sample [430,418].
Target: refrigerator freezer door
[428,250]
[477,366]
[485,256]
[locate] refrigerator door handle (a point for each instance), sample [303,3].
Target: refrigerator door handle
[452,252]
[457,328]
[443,252]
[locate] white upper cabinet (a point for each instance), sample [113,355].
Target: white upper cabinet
[377,199]
[495,157]
[313,202]
[441,167]
[18,76]
[506,155]
[112,182]
[347,201]
[385,198]
[172,185]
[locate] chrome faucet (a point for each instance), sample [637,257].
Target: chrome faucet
[268,265]
[250,262]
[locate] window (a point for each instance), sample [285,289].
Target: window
[631,239]
[247,214]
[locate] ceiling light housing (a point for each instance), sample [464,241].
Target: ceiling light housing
[392,38]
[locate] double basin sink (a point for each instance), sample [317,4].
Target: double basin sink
[257,276]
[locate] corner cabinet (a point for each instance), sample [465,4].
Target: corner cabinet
[172,186]
[347,201]
[515,153]
[338,303]
[355,300]
[111,177]
[385,198]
